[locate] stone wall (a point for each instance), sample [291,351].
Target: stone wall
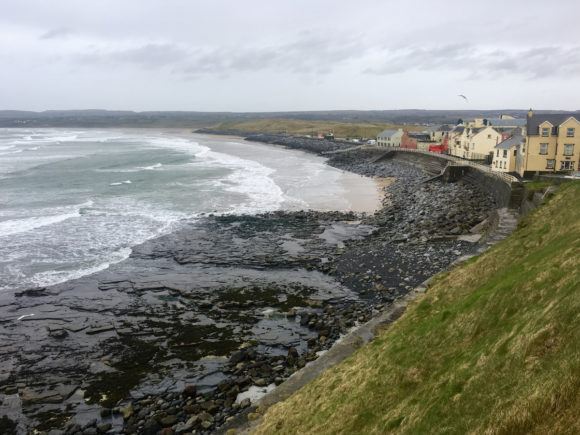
[504,193]
[432,164]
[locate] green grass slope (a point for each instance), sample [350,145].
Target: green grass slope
[493,347]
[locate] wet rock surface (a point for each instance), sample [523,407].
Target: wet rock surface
[183,335]
[310,144]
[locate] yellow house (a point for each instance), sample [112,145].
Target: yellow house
[473,143]
[552,144]
[505,154]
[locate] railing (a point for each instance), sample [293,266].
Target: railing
[344,150]
[456,161]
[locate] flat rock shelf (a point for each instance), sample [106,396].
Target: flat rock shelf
[195,325]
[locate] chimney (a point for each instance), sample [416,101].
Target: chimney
[530,113]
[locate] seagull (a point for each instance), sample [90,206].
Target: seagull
[464,97]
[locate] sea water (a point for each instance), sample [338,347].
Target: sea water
[74,201]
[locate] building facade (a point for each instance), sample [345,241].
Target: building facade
[505,154]
[552,144]
[473,143]
[390,138]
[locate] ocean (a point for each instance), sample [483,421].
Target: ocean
[74,201]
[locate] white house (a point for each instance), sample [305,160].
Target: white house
[473,143]
[390,138]
[505,154]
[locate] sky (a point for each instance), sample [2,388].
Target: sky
[286,55]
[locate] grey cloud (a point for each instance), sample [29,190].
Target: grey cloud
[532,63]
[148,55]
[305,55]
[421,58]
[536,62]
[60,32]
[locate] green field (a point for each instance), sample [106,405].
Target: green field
[492,347]
[300,127]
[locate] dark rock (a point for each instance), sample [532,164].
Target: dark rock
[151,427]
[239,356]
[104,427]
[168,420]
[59,334]
[190,391]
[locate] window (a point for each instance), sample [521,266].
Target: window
[543,148]
[550,163]
[567,166]
[570,132]
[569,149]
[545,131]
[505,154]
[497,153]
[495,163]
[489,136]
[515,153]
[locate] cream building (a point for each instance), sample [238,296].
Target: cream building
[552,144]
[505,154]
[473,143]
[438,133]
[390,138]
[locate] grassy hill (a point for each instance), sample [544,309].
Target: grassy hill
[492,347]
[311,127]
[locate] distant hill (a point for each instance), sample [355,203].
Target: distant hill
[122,118]
[105,118]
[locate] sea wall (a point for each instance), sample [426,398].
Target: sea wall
[431,164]
[505,194]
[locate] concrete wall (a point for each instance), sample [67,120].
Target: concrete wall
[505,194]
[431,164]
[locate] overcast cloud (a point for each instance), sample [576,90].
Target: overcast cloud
[288,54]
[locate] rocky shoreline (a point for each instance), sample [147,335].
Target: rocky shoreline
[182,336]
[309,144]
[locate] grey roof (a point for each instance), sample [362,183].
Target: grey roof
[387,133]
[510,142]
[499,122]
[445,127]
[459,129]
[421,137]
[553,118]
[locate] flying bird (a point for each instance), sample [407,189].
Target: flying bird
[464,97]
